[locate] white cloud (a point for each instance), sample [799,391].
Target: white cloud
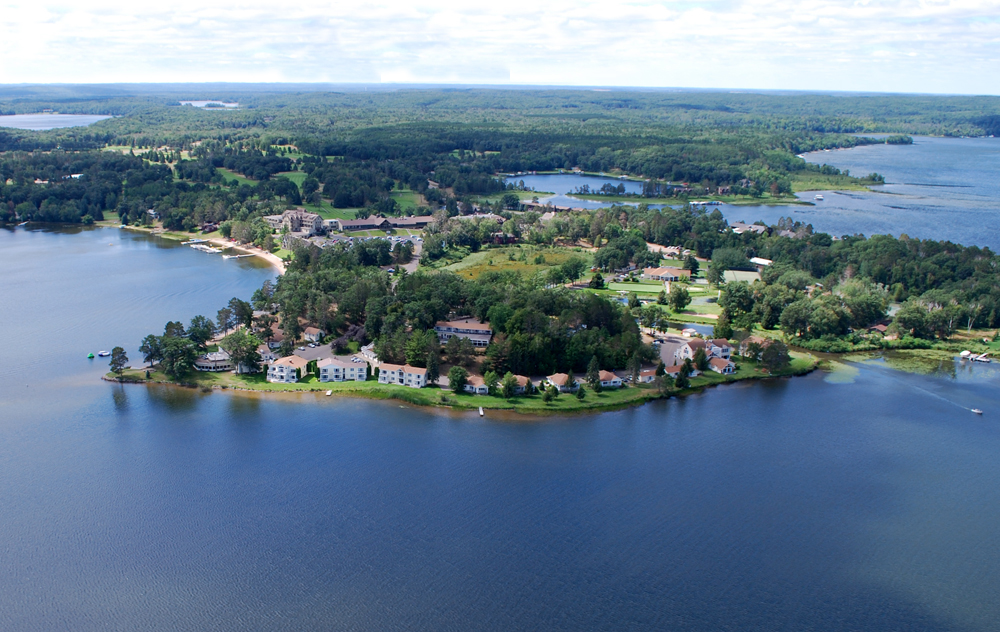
[893,45]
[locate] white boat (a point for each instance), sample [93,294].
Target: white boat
[103,354]
[818,197]
[480,411]
[329,393]
[22,223]
[965,354]
[981,358]
[977,411]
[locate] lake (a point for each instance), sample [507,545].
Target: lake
[38,122]
[778,505]
[936,188]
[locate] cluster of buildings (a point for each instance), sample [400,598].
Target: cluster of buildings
[718,351]
[667,275]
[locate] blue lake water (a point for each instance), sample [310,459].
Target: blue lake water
[39,122]
[936,188]
[862,500]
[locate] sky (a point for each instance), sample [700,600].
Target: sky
[930,46]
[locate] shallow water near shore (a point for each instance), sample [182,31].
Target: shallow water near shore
[865,504]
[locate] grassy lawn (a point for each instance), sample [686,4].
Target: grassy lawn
[232,175]
[408,200]
[808,181]
[295,176]
[524,196]
[510,258]
[638,288]
[326,211]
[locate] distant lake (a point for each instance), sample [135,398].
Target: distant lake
[39,122]
[936,188]
[562,184]
[864,500]
[201,104]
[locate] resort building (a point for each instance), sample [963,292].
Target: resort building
[267,355]
[561,382]
[476,332]
[335,370]
[674,370]
[745,344]
[609,380]
[522,384]
[475,385]
[717,348]
[739,228]
[287,370]
[404,375]
[647,376]
[297,221]
[667,275]
[368,354]
[215,361]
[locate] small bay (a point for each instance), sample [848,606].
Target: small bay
[39,122]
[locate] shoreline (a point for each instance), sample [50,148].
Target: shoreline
[273,260]
[566,403]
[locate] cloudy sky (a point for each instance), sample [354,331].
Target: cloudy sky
[935,46]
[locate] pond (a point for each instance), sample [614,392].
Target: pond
[40,122]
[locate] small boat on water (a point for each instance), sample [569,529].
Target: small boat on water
[818,197]
[981,358]
[965,354]
[103,354]
[90,356]
[480,411]
[329,393]
[22,223]
[977,411]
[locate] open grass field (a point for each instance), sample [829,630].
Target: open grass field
[294,176]
[232,175]
[408,200]
[807,181]
[517,258]
[326,211]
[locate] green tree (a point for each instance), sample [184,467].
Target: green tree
[178,356]
[661,369]
[722,328]
[457,378]
[200,331]
[633,300]
[151,349]
[690,263]
[661,298]
[580,394]
[174,330]
[701,360]
[596,281]
[119,361]
[593,376]
[433,366]
[242,349]
[508,385]
[492,381]
[225,320]
[775,357]
[679,297]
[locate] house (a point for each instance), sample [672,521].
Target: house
[404,375]
[267,356]
[475,385]
[368,355]
[721,365]
[666,274]
[522,384]
[739,228]
[414,222]
[336,370]
[717,348]
[761,263]
[647,376]
[476,332]
[561,381]
[609,379]
[215,361]
[287,370]
[277,336]
[674,370]
[312,334]
[878,329]
[745,344]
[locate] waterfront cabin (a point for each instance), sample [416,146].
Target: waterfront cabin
[647,376]
[674,371]
[313,334]
[404,375]
[336,370]
[561,382]
[609,379]
[723,366]
[287,370]
[475,385]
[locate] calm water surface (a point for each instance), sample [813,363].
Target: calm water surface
[49,121]
[866,499]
